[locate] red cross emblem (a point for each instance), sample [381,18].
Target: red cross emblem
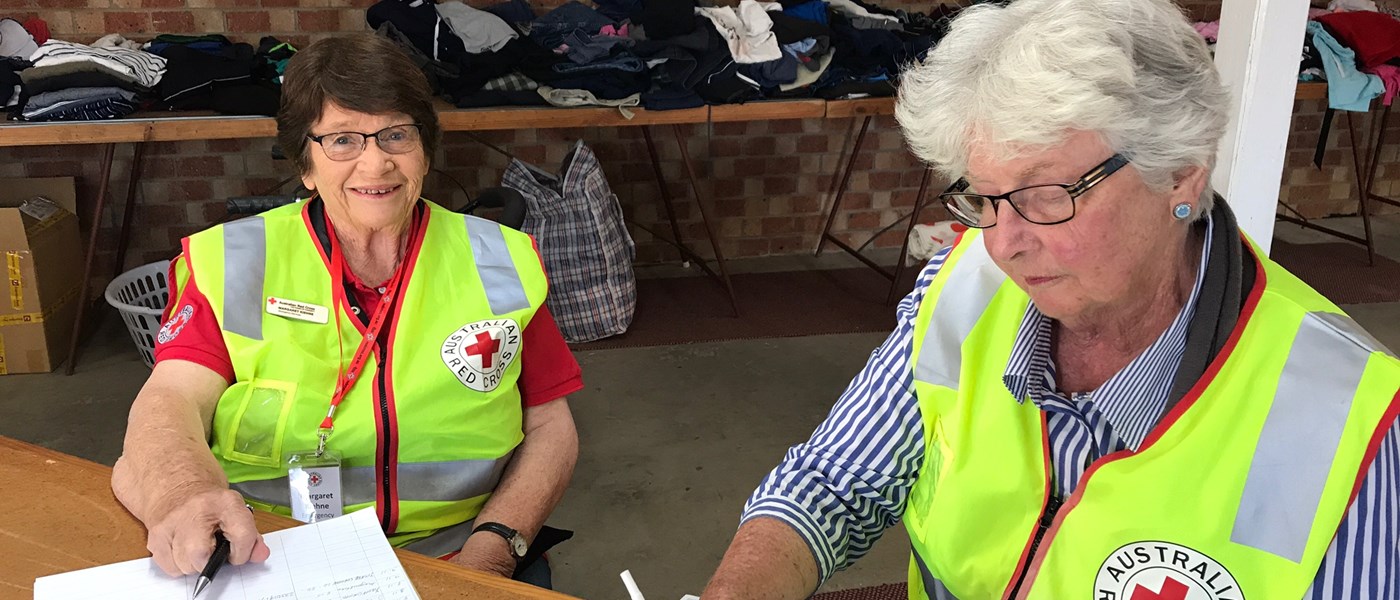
[271,301]
[485,347]
[315,480]
[1171,590]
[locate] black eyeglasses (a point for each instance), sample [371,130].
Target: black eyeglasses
[346,145]
[1047,204]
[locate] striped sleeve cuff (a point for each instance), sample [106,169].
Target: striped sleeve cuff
[803,522]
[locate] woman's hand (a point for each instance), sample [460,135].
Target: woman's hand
[488,553]
[182,538]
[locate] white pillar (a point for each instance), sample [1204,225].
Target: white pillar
[1259,49]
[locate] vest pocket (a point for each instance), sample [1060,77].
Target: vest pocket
[259,423]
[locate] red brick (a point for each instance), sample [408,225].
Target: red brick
[813,143]
[127,22]
[730,187]
[196,190]
[151,213]
[226,145]
[173,21]
[804,204]
[884,181]
[256,21]
[52,4]
[785,126]
[728,208]
[752,247]
[732,128]
[750,168]
[776,226]
[863,220]
[785,164]
[162,3]
[53,168]
[724,147]
[760,146]
[318,20]
[774,186]
[280,3]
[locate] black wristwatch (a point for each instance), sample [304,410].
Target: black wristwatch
[518,546]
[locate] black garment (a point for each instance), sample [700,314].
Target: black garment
[690,57]
[12,91]
[195,80]
[789,29]
[606,85]
[671,99]
[619,10]
[665,19]
[439,73]
[520,54]
[1311,59]
[418,22]
[726,87]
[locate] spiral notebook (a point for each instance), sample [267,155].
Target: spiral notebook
[346,558]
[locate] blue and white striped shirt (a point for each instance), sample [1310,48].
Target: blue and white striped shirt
[842,488]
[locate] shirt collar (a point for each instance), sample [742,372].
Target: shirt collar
[1132,399]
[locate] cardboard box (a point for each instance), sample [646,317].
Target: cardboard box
[41,262]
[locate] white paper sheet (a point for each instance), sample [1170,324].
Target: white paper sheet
[346,558]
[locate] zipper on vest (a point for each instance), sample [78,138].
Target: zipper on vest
[1047,517]
[388,443]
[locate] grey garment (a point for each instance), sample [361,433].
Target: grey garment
[874,23]
[585,48]
[1230,274]
[625,63]
[571,98]
[47,99]
[37,73]
[479,30]
[15,40]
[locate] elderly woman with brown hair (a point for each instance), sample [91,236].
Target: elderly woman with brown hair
[1104,390]
[367,343]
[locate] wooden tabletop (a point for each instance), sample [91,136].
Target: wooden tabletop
[170,126]
[57,514]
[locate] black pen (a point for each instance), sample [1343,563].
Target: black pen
[216,561]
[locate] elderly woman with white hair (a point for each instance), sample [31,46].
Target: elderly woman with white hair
[1104,390]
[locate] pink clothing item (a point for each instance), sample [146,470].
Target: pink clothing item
[1390,76]
[1210,31]
[1314,13]
[619,31]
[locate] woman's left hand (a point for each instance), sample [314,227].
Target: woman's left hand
[488,553]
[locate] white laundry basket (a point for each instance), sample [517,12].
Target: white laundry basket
[140,296]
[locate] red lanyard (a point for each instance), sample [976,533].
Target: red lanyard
[345,379]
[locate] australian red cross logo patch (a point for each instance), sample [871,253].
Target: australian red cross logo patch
[176,323]
[1163,571]
[479,353]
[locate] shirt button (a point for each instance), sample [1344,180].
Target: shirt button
[383,290]
[355,309]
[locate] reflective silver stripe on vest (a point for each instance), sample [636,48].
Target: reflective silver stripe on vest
[932,586]
[446,541]
[965,296]
[504,291]
[447,481]
[245,267]
[1300,436]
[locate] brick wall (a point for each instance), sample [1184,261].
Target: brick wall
[766,182]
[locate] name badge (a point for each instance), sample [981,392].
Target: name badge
[300,311]
[314,482]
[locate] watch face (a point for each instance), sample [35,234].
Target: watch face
[518,544]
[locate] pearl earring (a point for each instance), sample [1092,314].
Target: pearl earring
[1182,211]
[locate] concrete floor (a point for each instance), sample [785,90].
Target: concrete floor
[673,438]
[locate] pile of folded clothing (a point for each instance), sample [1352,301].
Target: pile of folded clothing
[209,72]
[660,54]
[73,82]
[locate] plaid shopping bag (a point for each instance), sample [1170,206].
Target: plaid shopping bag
[577,222]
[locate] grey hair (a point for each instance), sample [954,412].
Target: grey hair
[1021,77]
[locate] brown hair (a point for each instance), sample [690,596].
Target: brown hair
[360,72]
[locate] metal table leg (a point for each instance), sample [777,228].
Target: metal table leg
[91,256]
